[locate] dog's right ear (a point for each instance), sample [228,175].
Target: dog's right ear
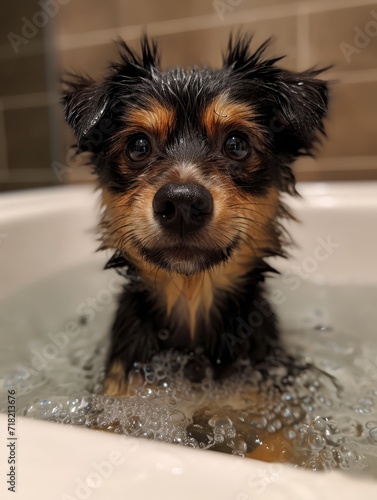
[88,110]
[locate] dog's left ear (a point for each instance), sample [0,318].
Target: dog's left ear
[293,105]
[92,108]
[87,109]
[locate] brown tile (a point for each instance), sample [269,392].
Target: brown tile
[323,169]
[205,47]
[27,135]
[352,124]
[146,11]
[22,75]
[21,185]
[81,16]
[22,49]
[88,60]
[340,37]
[336,175]
[247,4]
[17,17]
[3,142]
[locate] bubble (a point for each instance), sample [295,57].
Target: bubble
[260,422]
[155,424]
[319,424]
[203,434]
[238,445]
[218,438]
[361,409]
[164,384]
[371,424]
[316,441]
[373,434]
[220,420]
[290,434]
[277,424]
[61,414]
[323,328]
[133,424]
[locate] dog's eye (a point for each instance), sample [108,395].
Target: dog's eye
[139,148]
[236,147]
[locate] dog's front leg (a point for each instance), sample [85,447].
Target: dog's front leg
[133,339]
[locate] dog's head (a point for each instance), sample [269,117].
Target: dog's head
[192,162]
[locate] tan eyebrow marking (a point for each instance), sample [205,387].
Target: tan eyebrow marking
[154,118]
[226,115]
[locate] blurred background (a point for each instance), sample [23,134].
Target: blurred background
[42,38]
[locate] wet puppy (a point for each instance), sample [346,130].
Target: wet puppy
[192,164]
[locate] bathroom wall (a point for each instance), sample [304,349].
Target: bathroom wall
[25,114]
[77,37]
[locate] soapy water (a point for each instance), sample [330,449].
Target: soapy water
[314,407]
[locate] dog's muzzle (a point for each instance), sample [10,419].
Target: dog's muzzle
[182,208]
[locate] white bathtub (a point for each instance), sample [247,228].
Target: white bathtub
[44,232]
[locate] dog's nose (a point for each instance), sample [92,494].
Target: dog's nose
[183,208]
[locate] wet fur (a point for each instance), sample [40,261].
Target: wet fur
[203,296]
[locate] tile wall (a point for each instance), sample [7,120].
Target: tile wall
[76,35]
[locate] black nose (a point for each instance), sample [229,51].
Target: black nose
[182,208]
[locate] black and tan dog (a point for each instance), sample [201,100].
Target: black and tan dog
[192,164]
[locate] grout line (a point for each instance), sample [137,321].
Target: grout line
[328,5]
[3,142]
[208,21]
[338,163]
[355,76]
